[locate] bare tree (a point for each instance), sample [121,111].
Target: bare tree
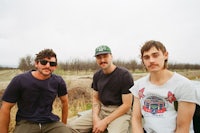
[26,63]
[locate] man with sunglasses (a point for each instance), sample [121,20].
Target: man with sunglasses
[34,92]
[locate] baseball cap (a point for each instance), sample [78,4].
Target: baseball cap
[103,49]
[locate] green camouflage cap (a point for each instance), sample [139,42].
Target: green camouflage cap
[103,49]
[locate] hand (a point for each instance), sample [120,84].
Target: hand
[99,126]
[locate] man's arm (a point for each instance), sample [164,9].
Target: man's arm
[137,117]
[184,116]
[124,108]
[96,105]
[64,101]
[5,116]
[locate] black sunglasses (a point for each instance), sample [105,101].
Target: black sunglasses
[51,63]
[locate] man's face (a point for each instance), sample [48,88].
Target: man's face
[46,66]
[154,59]
[104,60]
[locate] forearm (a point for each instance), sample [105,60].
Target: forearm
[96,106]
[137,125]
[64,113]
[121,110]
[95,110]
[64,101]
[4,121]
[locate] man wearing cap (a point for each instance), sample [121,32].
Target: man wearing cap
[112,99]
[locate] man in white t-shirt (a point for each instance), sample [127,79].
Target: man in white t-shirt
[155,94]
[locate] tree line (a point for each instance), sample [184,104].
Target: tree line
[27,63]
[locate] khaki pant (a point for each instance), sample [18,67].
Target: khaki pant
[83,124]
[30,127]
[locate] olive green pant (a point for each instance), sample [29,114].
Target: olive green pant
[30,127]
[83,124]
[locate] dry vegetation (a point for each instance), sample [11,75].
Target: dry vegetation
[79,90]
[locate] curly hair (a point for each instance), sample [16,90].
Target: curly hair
[46,53]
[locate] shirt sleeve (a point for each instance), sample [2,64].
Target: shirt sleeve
[12,92]
[127,83]
[187,91]
[134,89]
[62,90]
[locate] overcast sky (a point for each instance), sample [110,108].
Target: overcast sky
[74,28]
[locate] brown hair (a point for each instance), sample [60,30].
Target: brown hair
[46,53]
[158,45]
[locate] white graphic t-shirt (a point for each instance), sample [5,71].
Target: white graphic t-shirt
[157,102]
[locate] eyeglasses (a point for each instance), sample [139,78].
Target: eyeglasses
[51,63]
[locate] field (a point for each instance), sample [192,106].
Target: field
[79,90]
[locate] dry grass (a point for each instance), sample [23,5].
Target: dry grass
[79,91]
